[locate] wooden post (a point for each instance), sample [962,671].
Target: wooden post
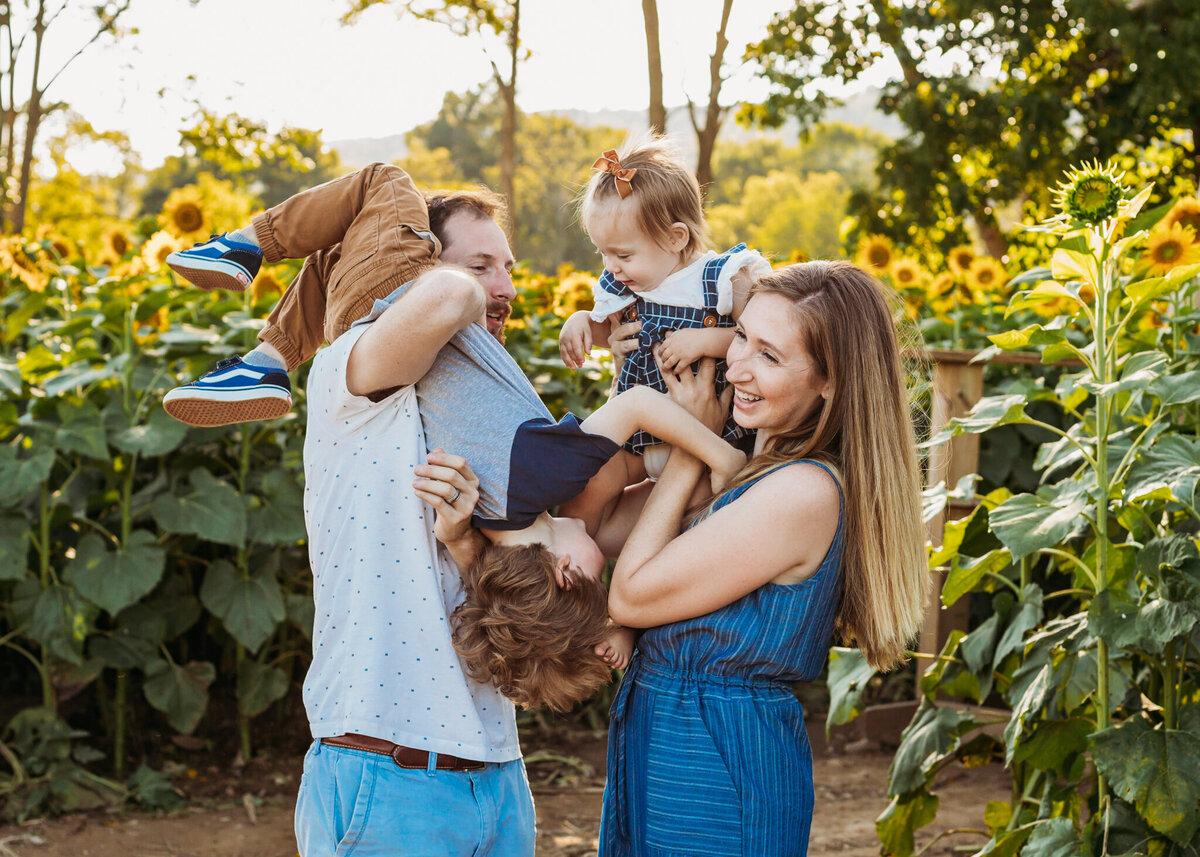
[957,386]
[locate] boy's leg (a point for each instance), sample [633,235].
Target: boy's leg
[363,235]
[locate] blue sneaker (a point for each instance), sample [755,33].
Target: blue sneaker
[233,392]
[221,262]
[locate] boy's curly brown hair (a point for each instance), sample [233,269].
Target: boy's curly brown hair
[519,630]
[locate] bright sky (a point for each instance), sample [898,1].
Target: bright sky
[290,62]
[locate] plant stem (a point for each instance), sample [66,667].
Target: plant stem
[48,698]
[1104,367]
[119,697]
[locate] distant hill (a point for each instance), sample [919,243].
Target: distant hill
[858,109]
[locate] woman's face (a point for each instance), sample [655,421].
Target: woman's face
[775,381]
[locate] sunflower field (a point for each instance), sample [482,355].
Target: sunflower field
[154,579]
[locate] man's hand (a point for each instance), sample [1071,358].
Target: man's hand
[623,341]
[447,483]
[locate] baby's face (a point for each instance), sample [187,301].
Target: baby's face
[571,539]
[634,258]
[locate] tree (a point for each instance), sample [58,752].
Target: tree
[1001,96]
[500,18]
[268,166]
[17,32]
[658,112]
[714,114]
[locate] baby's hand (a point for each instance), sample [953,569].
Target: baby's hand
[617,648]
[732,464]
[575,339]
[682,348]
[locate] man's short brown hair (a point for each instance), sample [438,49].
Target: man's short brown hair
[534,640]
[481,203]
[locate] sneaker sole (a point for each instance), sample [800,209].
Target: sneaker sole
[209,276]
[208,412]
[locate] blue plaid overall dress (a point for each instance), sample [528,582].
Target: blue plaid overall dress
[707,751]
[639,366]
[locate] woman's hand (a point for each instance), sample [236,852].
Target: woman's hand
[696,392]
[447,483]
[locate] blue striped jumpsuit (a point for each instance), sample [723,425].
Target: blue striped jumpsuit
[707,752]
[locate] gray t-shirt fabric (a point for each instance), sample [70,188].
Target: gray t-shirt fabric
[476,402]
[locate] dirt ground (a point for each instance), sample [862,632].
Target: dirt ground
[247,811]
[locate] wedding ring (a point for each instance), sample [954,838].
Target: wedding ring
[454,496]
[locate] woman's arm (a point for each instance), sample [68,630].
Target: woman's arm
[781,527]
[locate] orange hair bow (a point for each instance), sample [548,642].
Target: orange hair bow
[608,163]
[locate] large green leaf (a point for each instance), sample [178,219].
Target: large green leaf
[212,510]
[946,673]
[14,547]
[1173,463]
[181,693]
[19,475]
[122,649]
[115,579]
[967,571]
[258,685]
[81,430]
[1139,371]
[903,816]
[1028,706]
[1157,770]
[1055,837]
[1025,619]
[1147,290]
[849,673]
[1033,335]
[79,375]
[277,515]
[1053,742]
[1029,522]
[1177,389]
[931,737]
[56,617]
[159,435]
[249,608]
[988,413]
[10,377]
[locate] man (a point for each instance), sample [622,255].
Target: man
[427,760]
[410,756]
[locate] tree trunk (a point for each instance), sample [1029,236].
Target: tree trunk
[33,118]
[990,232]
[508,133]
[706,137]
[658,112]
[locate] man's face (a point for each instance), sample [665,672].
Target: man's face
[479,245]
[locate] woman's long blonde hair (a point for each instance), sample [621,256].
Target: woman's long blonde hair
[864,431]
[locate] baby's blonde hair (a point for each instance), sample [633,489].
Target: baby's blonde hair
[664,192]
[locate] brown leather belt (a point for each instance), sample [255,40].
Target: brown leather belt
[405,757]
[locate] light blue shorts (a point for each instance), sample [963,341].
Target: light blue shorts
[355,802]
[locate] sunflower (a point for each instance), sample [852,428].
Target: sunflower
[151,327]
[986,274]
[876,252]
[906,273]
[960,258]
[1091,194]
[1169,247]
[183,213]
[264,284]
[1185,212]
[116,241]
[157,248]
[573,293]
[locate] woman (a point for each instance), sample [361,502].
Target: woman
[707,749]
